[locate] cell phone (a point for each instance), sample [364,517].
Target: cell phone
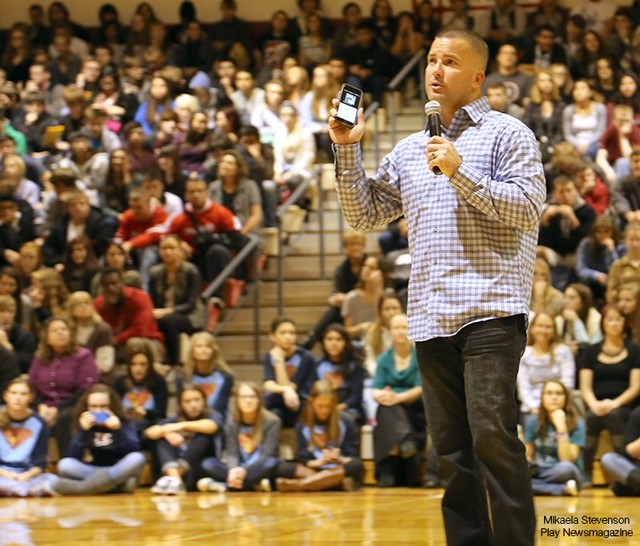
[350,99]
[101,417]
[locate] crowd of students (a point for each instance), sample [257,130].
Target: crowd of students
[134,161]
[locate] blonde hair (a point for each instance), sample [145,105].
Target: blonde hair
[76,298]
[216,358]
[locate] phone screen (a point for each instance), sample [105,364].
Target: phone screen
[348,106]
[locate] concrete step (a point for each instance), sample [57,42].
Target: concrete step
[302,267]
[241,323]
[311,292]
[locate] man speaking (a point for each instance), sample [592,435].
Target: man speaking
[472,236]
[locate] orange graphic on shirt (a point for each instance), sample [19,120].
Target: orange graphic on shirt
[208,389]
[16,436]
[138,399]
[320,439]
[247,443]
[291,370]
[335,379]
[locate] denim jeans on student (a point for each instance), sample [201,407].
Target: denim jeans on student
[130,465]
[469,384]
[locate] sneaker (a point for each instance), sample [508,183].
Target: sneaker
[168,485]
[571,488]
[265,485]
[161,485]
[175,487]
[209,484]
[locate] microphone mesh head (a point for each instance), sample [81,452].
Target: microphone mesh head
[432,107]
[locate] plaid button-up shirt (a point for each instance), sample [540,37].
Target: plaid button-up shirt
[473,237]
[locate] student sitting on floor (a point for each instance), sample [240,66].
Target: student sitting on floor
[328,447]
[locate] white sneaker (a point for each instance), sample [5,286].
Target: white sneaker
[571,488]
[175,487]
[161,485]
[210,485]
[168,485]
[265,485]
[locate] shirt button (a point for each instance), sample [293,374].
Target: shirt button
[435,229]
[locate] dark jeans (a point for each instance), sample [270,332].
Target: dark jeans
[469,384]
[212,262]
[191,454]
[172,326]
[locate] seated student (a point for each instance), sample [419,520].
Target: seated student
[579,323]
[143,391]
[89,330]
[183,442]
[596,254]
[252,443]
[623,468]
[200,227]
[207,370]
[17,345]
[174,287]
[554,438]
[591,187]
[341,365]
[609,384]
[345,279]
[626,269]
[79,264]
[328,447]
[17,225]
[625,192]
[288,372]
[400,433]
[563,224]
[141,227]
[59,374]
[129,312]
[24,440]
[359,309]
[80,219]
[628,304]
[102,430]
[545,358]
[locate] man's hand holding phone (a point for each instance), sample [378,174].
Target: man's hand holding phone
[346,118]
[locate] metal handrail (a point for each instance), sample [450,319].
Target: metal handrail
[248,248]
[282,209]
[418,58]
[216,283]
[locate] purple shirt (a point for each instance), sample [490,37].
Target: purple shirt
[58,382]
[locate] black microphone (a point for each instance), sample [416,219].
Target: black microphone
[434,124]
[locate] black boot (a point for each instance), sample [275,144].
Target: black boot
[386,471]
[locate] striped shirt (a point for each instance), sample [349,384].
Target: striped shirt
[472,238]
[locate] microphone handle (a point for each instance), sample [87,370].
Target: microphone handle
[433,126]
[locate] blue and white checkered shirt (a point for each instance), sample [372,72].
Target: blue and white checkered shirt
[473,237]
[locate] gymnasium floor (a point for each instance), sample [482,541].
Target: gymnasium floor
[366,517]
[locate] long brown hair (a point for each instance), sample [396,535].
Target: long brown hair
[115,404]
[544,420]
[322,388]
[261,411]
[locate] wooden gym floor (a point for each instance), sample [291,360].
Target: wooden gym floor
[366,517]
